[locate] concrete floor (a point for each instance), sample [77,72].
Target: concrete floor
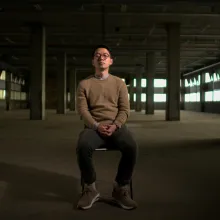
[177,175]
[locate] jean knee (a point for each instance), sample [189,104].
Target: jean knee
[129,147]
[83,147]
[133,147]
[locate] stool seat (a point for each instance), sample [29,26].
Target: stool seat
[101,149]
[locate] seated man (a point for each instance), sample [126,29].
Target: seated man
[102,102]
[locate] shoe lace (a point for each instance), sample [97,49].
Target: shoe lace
[125,192]
[86,191]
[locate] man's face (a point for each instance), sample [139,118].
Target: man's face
[102,59]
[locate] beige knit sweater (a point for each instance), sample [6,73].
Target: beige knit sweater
[103,101]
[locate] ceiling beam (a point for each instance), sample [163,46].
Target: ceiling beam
[123,56]
[111,34]
[129,49]
[63,17]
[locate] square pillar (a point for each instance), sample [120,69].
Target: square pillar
[182,99]
[72,89]
[131,92]
[150,73]
[173,79]
[61,84]
[37,75]
[138,106]
[8,91]
[202,92]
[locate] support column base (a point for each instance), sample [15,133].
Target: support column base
[63,112]
[149,112]
[173,118]
[36,117]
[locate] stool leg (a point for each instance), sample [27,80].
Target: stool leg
[131,189]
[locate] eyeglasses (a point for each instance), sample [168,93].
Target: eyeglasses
[105,55]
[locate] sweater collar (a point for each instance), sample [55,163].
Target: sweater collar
[102,78]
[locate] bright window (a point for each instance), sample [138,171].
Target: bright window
[2,94]
[199,80]
[193,82]
[186,83]
[134,83]
[198,96]
[216,95]
[209,96]
[208,78]
[23,96]
[134,97]
[143,82]
[143,97]
[159,97]
[192,97]
[160,83]
[216,77]
[123,79]
[3,75]
[190,83]
[187,97]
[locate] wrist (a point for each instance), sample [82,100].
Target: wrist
[116,126]
[96,125]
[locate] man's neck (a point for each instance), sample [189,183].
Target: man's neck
[101,73]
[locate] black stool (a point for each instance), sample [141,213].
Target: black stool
[108,149]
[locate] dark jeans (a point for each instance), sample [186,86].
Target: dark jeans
[121,140]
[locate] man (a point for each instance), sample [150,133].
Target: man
[102,102]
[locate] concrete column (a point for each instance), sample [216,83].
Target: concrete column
[61,84]
[202,92]
[150,73]
[72,89]
[173,79]
[138,91]
[8,91]
[182,101]
[37,75]
[131,92]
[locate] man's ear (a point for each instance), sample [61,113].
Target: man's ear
[93,62]
[111,62]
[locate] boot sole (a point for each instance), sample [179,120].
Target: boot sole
[95,199]
[123,206]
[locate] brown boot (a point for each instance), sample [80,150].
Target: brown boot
[122,197]
[89,196]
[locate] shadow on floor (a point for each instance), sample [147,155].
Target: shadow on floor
[30,184]
[26,183]
[206,144]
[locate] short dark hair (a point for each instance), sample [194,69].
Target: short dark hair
[101,46]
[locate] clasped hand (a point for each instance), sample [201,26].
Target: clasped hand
[107,130]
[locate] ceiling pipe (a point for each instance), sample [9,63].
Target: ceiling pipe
[201,69]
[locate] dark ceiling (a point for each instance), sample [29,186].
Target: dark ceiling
[131,29]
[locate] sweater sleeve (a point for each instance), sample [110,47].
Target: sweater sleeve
[82,107]
[123,106]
